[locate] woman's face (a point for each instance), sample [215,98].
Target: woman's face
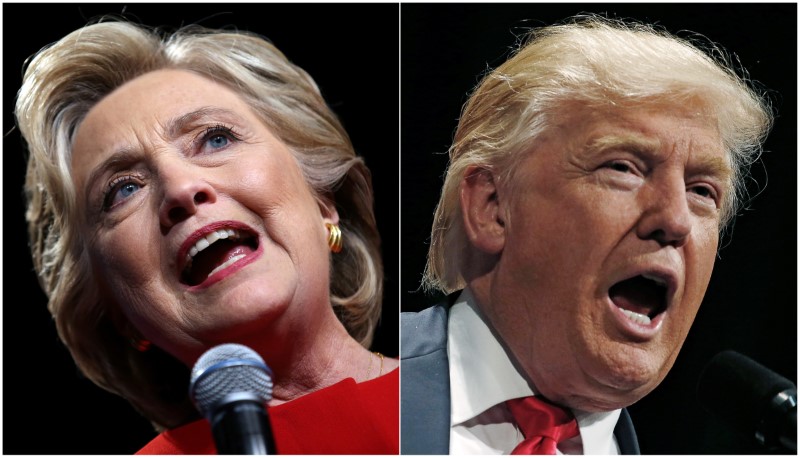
[198,222]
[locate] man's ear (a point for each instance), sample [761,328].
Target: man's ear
[480,208]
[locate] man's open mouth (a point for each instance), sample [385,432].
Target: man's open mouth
[640,298]
[215,252]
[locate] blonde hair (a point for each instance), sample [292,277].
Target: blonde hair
[596,62]
[65,80]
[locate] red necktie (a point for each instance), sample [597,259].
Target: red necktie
[543,424]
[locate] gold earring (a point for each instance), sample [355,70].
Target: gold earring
[334,237]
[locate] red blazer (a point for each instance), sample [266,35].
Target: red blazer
[344,418]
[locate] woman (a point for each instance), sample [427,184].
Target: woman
[194,189]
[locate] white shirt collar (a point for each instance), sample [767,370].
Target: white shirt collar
[481,373]
[483,376]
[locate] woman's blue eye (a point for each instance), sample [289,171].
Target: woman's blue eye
[119,190]
[216,138]
[218,141]
[128,189]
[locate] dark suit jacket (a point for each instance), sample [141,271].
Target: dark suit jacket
[425,387]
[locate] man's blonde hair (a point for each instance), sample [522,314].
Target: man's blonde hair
[595,62]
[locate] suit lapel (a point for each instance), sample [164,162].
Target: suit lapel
[626,435]
[424,383]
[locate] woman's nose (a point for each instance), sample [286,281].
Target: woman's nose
[184,189]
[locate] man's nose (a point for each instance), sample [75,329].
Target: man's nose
[184,189]
[666,217]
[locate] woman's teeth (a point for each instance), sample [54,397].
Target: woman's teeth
[206,241]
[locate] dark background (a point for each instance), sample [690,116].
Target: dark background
[351,52]
[751,304]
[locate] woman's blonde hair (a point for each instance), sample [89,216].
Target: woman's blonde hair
[63,81]
[595,62]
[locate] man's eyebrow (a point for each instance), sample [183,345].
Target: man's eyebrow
[619,141]
[713,165]
[180,124]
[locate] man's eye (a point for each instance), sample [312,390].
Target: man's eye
[619,166]
[703,191]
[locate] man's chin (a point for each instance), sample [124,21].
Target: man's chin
[610,392]
[617,384]
[605,399]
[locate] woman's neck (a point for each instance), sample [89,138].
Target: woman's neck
[328,356]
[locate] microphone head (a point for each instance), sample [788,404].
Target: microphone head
[742,391]
[227,373]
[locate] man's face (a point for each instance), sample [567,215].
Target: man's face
[610,233]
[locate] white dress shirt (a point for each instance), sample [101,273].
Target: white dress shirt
[482,378]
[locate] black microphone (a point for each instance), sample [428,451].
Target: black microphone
[230,386]
[751,398]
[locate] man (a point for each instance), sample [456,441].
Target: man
[589,181]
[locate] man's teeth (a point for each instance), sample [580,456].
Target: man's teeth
[206,241]
[636,317]
[659,281]
[226,264]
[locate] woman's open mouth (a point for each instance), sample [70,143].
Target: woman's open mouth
[217,251]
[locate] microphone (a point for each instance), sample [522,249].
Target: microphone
[751,398]
[231,385]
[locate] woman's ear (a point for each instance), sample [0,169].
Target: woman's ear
[481,210]
[327,208]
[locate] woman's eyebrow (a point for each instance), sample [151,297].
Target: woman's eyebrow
[175,127]
[121,158]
